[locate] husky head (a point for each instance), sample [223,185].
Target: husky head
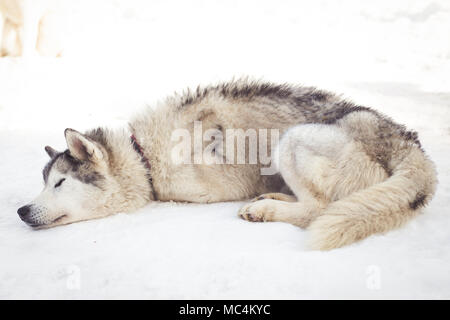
[78,184]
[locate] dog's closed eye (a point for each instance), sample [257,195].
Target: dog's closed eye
[59,182]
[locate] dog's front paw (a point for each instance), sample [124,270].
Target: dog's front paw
[258,211]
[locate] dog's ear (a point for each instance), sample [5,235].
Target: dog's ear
[81,147]
[50,151]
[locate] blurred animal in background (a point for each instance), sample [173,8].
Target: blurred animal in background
[31,28]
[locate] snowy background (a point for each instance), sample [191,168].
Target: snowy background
[122,55]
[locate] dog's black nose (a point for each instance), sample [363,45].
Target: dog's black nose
[23,211]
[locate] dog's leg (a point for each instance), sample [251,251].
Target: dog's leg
[2,23]
[321,165]
[306,159]
[30,31]
[300,214]
[11,45]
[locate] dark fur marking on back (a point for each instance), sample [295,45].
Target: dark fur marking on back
[240,90]
[318,106]
[315,106]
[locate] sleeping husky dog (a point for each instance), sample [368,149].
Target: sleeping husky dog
[346,171]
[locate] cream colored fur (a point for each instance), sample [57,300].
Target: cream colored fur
[352,171]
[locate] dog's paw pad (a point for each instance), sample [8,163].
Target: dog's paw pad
[253,217]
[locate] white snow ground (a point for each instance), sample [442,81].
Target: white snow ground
[122,55]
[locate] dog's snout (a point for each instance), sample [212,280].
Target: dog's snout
[24,211]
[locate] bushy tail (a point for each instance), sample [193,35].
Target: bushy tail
[378,208]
